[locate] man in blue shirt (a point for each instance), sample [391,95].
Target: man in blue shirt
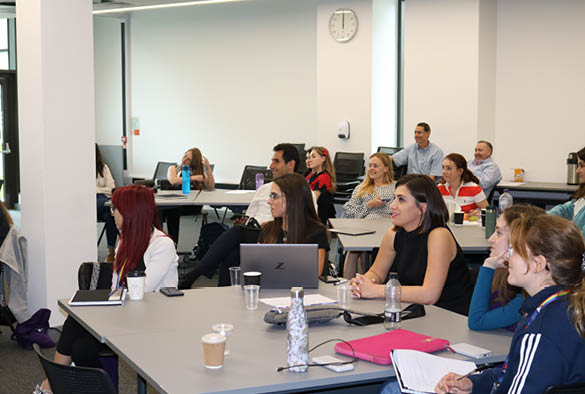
[484,167]
[422,157]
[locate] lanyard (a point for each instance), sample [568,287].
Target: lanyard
[530,319]
[120,275]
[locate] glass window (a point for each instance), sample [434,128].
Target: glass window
[4,34]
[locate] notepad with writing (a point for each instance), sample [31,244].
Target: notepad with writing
[377,348]
[419,372]
[98,297]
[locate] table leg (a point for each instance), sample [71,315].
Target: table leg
[140,384]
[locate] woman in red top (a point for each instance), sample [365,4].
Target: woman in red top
[322,181]
[459,185]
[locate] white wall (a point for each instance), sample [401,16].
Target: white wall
[540,92]
[441,72]
[108,80]
[344,80]
[232,79]
[235,79]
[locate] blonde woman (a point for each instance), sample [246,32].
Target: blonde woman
[322,181]
[370,200]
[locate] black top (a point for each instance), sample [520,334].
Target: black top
[411,264]
[319,238]
[321,182]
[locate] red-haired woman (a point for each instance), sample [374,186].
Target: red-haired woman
[460,185]
[143,246]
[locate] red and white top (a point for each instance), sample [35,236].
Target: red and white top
[466,197]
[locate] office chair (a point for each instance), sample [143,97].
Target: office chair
[398,172]
[301,165]
[248,179]
[348,168]
[92,276]
[160,174]
[577,388]
[66,379]
[389,150]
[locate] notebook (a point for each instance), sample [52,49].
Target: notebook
[282,265]
[377,348]
[98,297]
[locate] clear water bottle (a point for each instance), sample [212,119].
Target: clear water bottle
[186,176]
[259,180]
[297,333]
[506,200]
[392,308]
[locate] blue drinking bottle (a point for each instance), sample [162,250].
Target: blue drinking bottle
[186,175]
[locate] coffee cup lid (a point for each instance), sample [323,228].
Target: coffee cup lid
[252,273]
[213,338]
[135,274]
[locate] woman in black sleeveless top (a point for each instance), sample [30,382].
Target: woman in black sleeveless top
[421,249]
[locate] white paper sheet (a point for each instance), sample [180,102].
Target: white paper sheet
[420,372]
[284,302]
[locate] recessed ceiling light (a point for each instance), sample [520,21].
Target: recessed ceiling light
[160,6]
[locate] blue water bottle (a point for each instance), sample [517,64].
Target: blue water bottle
[186,175]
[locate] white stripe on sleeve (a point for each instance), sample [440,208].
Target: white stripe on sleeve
[527,350]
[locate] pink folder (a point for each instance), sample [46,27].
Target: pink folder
[377,348]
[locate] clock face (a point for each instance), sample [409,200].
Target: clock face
[343,25]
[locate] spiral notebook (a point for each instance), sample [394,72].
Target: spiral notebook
[377,348]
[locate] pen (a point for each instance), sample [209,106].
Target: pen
[341,281]
[478,369]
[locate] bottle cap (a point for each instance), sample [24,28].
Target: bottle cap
[393,275]
[297,292]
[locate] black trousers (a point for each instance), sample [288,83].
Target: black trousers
[225,253]
[77,342]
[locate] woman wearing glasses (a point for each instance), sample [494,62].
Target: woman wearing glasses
[547,260]
[575,209]
[441,278]
[143,246]
[295,220]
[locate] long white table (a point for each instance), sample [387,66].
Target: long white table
[204,197]
[159,338]
[471,237]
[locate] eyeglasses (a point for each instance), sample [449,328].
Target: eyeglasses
[274,196]
[510,252]
[112,209]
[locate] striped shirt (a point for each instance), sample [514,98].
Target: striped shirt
[466,197]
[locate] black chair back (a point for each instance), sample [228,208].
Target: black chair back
[248,180]
[66,379]
[389,150]
[93,275]
[301,165]
[348,166]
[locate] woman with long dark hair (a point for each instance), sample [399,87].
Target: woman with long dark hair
[547,260]
[143,246]
[441,278]
[575,209]
[104,183]
[460,185]
[295,220]
[201,177]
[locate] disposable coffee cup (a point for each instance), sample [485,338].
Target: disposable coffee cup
[136,280]
[458,218]
[213,350]
[252,278]
[483,218]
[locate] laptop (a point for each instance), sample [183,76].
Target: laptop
[282,265]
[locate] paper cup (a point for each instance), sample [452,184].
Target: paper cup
[213,350]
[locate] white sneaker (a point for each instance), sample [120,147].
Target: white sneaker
[39,390]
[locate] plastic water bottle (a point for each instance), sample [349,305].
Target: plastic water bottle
[297,333]
[506,200]
[186,175]
[392,308]
[259,180]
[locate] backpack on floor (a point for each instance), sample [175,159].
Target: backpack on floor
[209,233]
